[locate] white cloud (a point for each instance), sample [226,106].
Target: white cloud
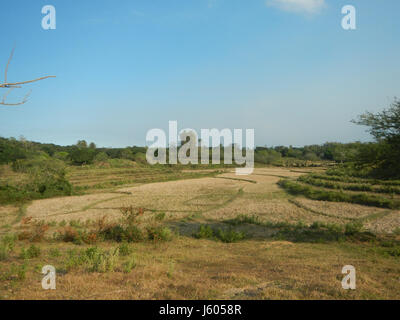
[299,6]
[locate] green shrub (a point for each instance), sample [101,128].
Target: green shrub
[353,228]
[62,223]
[205,232]
[101,157]
[99,261]
[54,253]
[395,252]
[68,234]
[119,233]
[242,219]
[129,265]
[75,224]
[21,272]
[316,225]
[125,249]
[74,259]
[47,178]
[159,233]
[30,253]
[23,254]
[333,227]
[7,244]
[134,234]
[229,235]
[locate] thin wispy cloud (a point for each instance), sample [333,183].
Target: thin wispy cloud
[298,6]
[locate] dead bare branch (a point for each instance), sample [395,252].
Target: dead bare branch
[7,93]
[13,85]
[8,63]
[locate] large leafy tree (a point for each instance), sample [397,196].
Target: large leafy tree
[384,126]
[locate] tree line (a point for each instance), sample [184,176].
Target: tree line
[380,158]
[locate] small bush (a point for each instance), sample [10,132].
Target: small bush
[129,265]
[30,253]
[159,233]
[115,233]
[7,244]
[316,225]
[54,253]
[74,259]
[395,252]
[34,231]
[62,223]
[134,234]
[33,252]
[68,234]
[229,236]
[75,224]
[353,228]
[125,249]
[335,228]
[243,219]
[160,216]
[99,261]
[21,272]
[131,215]
[47,178]
[205,232]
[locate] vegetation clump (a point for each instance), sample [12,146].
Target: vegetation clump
[296,188]
[7,244]
[227,236]
[352,187]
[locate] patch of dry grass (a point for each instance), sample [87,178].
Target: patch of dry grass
[340,209]
[203,269]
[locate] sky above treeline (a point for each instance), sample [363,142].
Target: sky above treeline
[285,68]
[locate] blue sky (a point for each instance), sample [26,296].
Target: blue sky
[283,67]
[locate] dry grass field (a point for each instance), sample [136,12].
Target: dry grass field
[270,244]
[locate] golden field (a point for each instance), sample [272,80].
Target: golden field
[266,264]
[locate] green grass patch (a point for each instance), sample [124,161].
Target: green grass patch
[338,185]
[224,235]
[296,188]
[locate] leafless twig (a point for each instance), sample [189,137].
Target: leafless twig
[13,85]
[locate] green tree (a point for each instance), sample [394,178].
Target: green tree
[82,144]
[80,156]
[62,155]
[101,157]
[384,157]
[127,154]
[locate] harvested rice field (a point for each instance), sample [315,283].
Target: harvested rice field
[220,236]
